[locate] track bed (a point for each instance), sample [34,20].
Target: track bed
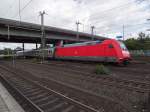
[132,95]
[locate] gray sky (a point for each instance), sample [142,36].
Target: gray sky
[108,16]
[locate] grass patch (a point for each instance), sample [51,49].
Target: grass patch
[101,70]
[35,60]
[7,57]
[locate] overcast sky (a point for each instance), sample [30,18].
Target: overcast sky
[108,16]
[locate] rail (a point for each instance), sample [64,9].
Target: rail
[19,96]
[32,105]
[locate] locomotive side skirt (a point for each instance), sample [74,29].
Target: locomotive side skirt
[88,58]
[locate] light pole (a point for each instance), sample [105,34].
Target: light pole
[83,27]
[123,32]
[148,20]
[42,33]
[77,23]
[19,11]
[8,32]
[92,31]
[13,57]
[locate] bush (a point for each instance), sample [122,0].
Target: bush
[36,60]
[102,70]
[7,57]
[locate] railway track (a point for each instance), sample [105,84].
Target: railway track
[120,81]
[21,83]
[109,80]
[119,93]
[41,98]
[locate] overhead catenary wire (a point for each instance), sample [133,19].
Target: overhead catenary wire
[120,27]
[121,6]
[99,20]
[127,26]
[114,27]
[101,12]
[22,9]
[19,10]
[104,17]
[111,9]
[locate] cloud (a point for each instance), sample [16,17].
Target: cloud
[108,16]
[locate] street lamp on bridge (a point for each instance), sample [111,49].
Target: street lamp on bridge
[148,20]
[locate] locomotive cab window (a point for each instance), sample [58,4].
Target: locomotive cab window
[123,47]
[110,46]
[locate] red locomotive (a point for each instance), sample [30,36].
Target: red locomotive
[109,50]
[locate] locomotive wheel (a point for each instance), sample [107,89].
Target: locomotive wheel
[125,62]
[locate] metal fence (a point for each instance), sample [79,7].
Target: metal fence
[140,52]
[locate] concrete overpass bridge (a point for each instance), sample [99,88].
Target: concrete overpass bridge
[23,32]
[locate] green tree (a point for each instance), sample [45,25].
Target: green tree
[141,43]
[7,51]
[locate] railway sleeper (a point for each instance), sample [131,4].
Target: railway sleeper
[49,103]
[68,109]
[43,100]
[34,94]
[34,97]
[28,91]
[57,108]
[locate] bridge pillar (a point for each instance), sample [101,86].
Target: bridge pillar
[23,50]
[59,43]
[36,46]
[23,47]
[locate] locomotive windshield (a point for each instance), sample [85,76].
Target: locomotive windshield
[122,45]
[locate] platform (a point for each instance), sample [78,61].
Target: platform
[7,102]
